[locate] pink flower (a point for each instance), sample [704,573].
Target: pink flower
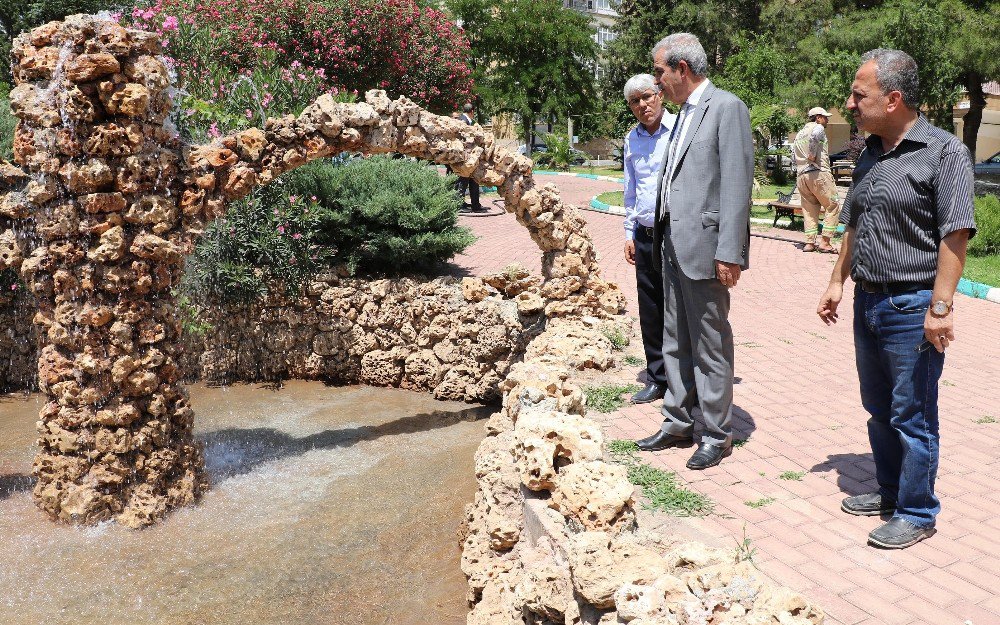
[170,23]
[248,113]
[213,131]
[292,198]
[281,230]
[297,236]
[13,287]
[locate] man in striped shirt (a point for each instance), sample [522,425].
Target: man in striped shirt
[909,217]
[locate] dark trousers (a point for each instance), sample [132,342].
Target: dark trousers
[473,187]
[650,286]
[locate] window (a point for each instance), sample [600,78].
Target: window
[603,36]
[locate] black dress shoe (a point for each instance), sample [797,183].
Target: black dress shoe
[651,392]
[899,534]
[662,440]
[708,456]
[869,504]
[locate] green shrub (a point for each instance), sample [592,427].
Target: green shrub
[376,215]
[7,124]
[987,239]
[266,241]
[385,215]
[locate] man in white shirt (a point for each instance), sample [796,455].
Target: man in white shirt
[645,147]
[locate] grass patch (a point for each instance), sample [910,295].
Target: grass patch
[760,503]
[598,171]
[795,476]
[660,487]
[619,340]
[634,361]
[612,198]
[984,420]
[739,442]
[984,269]
[770,191]
[608,398]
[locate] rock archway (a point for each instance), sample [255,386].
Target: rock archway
[106,201]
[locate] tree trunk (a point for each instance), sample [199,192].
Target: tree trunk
[974,117]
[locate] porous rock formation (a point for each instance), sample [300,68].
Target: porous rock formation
[106,201]
[552,536]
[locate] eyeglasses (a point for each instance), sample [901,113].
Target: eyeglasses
[646,98]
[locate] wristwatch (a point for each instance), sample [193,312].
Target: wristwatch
[941,308]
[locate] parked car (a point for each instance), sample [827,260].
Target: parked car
[576,156]
[987,175]
[782,151]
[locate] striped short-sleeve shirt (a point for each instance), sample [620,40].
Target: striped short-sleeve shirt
[903,202]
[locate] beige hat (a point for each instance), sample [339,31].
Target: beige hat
[819,110]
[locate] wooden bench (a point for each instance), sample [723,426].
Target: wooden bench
[784,206]
[790,205]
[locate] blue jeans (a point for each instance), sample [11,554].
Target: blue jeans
[899,388]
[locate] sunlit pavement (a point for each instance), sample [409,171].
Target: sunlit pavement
[797,402]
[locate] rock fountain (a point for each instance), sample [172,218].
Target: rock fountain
[103,205]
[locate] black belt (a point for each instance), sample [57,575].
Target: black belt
[647,229]
[892,288]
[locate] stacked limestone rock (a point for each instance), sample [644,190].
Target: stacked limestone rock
[100,186]
[229,168]
[552,536]
[425,336]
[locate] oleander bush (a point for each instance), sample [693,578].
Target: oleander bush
[378,216]
[987,239]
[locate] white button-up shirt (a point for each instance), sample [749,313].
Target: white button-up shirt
[644,154]
[685,122]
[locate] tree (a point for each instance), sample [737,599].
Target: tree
[530,57]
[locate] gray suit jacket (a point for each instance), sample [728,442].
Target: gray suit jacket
[710,188]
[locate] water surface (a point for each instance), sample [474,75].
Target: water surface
[328,505]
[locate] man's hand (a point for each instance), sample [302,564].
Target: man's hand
[630,252]
[939,330]
[827,309]
[728,273]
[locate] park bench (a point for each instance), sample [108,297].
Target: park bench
[790,205]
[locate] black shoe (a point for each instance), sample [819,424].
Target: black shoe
[662,440]
[708,455]
[652,392]
[869,504]
[899,534]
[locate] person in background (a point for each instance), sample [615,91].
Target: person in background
[909,218]
[811,151]
[468,116]
[645,146]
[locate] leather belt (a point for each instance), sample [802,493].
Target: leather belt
[892,288]
[647,230]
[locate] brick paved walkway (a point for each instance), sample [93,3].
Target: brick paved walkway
[797,401]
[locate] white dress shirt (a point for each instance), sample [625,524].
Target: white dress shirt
[683,123]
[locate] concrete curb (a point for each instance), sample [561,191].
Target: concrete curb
[965,287]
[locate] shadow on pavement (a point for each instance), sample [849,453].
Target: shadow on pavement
[855,472]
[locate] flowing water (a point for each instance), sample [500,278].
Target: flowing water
[327,505]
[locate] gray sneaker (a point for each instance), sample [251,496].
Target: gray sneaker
[869,504]
[898,534]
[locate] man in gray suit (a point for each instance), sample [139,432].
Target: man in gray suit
[701,239]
